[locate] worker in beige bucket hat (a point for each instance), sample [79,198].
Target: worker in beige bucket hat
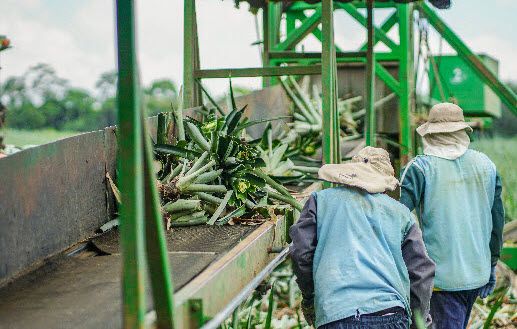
[456,192]
[358,254]
[370,170]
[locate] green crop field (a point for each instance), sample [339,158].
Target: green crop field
[502,152]
[21,138]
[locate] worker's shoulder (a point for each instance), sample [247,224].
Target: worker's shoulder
[394,205]
[477,156]
[418,163]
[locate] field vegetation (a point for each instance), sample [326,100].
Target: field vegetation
[501,151]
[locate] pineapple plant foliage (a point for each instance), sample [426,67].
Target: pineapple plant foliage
[212,172]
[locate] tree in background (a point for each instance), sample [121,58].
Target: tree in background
[41,99]
[160,96]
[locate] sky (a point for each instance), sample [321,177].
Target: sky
[77,37]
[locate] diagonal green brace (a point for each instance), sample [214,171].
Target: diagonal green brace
[472,60]
[385,27]
[387,78]
[382,36]
[308,25]
[316,32]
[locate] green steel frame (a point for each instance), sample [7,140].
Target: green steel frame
[141,227]
[142,237]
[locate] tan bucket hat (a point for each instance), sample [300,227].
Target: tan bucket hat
[370,170]
[444,118]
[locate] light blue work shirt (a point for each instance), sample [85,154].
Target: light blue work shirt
[358,265]
[456,217]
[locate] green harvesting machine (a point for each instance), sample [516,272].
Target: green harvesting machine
[62,262]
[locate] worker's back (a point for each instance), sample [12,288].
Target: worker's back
[358,259]
[456,217]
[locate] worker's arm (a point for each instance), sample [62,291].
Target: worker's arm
[303,235]
[496,239]
[412,185]
[421,271]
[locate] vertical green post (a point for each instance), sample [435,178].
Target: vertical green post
[141,225]
[266,44]
[191,92]
[132,240]
[405,13]
[369,124]
[331,145]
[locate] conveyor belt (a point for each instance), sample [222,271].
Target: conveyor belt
[83,290]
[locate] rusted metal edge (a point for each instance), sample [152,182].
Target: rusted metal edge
[218,284]
[227,311]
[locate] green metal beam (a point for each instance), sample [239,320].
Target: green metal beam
[406,77]
[300,5]
[132,240]
[472,60]
[259,71]
[141,224]
[266,44]
[331,145]
[352,10]
[369,123]
[308,25]
[317,31]
[156,247]
[385,27]
[341,57]
[189,52]
[386,77]
[316,55]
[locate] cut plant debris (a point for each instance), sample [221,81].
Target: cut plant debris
[213,172]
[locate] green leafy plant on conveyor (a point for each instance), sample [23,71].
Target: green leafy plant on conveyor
[308,113]
[277,155]
[212,174]
[307,126]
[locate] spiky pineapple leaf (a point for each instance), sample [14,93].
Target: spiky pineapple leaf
[176,150]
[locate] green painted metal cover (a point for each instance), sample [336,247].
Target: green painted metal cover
[460,82]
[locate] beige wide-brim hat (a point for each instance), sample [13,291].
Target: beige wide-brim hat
[370,170]
[444,118]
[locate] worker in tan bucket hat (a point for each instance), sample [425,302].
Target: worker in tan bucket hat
[355,249]
[456,193]
[370,170]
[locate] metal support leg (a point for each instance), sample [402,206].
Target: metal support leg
[141,224]
[406,77]
[331,146]
[266,44]
[369,128]
[191,92]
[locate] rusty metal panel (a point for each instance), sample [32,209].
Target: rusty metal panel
[220,282]
[51,196]
[269,102]
[110,157]
[70,292]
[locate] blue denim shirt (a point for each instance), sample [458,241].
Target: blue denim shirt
[454,200]
[358,265]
